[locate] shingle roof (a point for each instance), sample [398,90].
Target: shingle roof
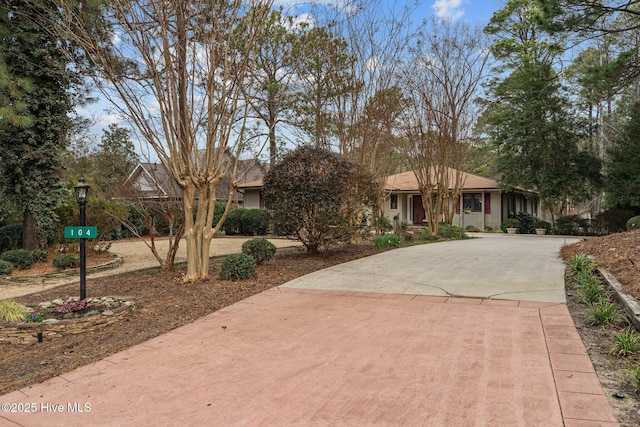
[153,181]
[406,181]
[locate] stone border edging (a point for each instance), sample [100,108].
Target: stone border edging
[629,304]
[115,262]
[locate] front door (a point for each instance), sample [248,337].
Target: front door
[418,210]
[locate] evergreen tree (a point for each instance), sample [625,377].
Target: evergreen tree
[30,151]
[539,142]
[622,181]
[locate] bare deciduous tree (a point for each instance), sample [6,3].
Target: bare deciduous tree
[178,71]
[367,103]
[441,81]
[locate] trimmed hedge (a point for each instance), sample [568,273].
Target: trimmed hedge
[254,222]
[22,259]
[233,224]
[238,267]
[260,249]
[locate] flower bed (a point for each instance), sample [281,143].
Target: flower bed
[100,313]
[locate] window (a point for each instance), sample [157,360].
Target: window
[472,201]
[393,201]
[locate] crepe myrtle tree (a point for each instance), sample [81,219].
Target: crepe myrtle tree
[179,73]
[319,197]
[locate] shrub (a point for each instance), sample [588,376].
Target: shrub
[319,197]
[10,236]
[64,261]
[526,223]
[451,232]
[254,222]
[509,223]
[384,224]
[39,255]
[233,224]
[20,258]
[238,267]
[5,267]
[218,211]
[633,223]
[260,249]
[471,229]
[11,311]
[386,240]
[573,225]
[614,220]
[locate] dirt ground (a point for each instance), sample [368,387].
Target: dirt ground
[163,302]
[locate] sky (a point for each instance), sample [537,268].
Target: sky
[475,12]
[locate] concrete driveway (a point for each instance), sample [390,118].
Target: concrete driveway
[495,266]
[304,355]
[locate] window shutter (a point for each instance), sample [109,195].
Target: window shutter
[458,205]
[487,203]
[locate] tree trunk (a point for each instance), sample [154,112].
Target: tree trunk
[31,232]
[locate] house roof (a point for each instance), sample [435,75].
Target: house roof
[153,181]
[252,184]
[406,181]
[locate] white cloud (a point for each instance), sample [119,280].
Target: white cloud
[448,9]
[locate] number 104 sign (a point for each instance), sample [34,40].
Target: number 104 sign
[80,232]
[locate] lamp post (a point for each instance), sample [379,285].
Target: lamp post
[82,195]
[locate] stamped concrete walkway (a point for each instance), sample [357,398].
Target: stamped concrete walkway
[294,356]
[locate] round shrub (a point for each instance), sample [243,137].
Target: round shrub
[254,222]
[233,225]
[260,249]
[237,267]
[5,267]
[633,223]
[64,261]
[20,258]
[39,255]
[10,236]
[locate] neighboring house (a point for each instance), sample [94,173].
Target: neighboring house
[152,182]
[252,194]
[487,202]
